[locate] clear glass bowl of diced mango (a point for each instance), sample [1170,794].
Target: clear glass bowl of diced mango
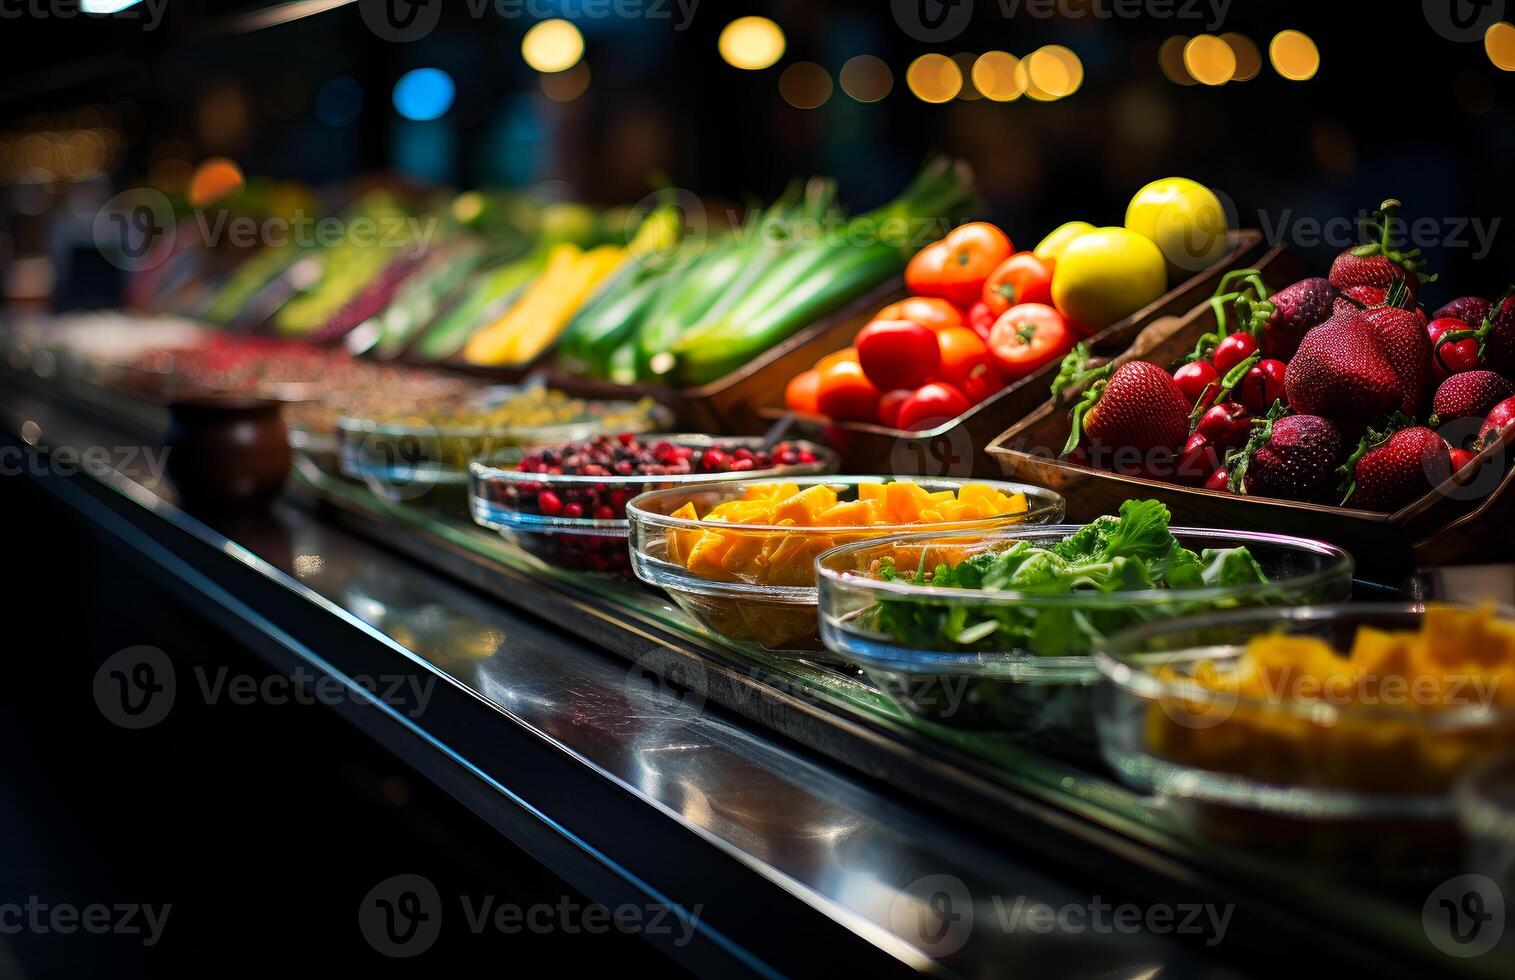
[740,557]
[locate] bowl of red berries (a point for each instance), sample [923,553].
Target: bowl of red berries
[566,503]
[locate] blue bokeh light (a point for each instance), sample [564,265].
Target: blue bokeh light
[339,101]
[424,94]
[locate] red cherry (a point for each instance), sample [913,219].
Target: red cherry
[1233,350]
[1262,386]
[1198,460]
[1227,425]
[1197,378]
[1219,481]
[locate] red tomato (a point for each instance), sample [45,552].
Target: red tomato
[1197,379]
[844,392]
[845,354]
[981,319]
[962,350]
[932,405]
[956,267]
[1022,278]
[1454,357]
[1233,350]
[928,311]
[981,382]
[1028,337]
[801,392]
[889,406]
[898,353]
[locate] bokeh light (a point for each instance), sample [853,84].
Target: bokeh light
[214,179]
[552,45]
[969,91]
[1209,60]
[339,101]
[424,94]
[866,78]
[1248,58]
[995,75]
[1053,72]
[934,78]
[1294,55]
[752,43]
[805,85]
[1170,58]
[565,86]
[1499,42]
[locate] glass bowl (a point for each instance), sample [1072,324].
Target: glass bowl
[1032,674]
[402,458]
[508,501]
[1332,774]
[777,610]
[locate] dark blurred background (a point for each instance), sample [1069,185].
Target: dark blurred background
[1409,99]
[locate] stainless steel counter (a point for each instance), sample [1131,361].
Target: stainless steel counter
[633,790]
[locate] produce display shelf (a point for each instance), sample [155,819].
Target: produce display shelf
[1060,800]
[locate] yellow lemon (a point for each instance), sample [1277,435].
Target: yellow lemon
[1184,219]
[1105,275]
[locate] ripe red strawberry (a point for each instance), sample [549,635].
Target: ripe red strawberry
[1468,309]
[1340,372]
[1296,310]
[1294,457]
[1403,339]
[1137,408]
[1387,474]
[1497,335]
[1501,419]
[1470,395]
[1368,272]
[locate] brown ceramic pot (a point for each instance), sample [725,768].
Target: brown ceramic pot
[226,451]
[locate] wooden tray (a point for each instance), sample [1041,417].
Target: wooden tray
[1460,522]
[956,448]
[733,405]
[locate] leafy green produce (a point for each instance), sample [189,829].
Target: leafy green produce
[1135,552]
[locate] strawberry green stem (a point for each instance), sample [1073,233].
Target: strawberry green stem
[1090,399]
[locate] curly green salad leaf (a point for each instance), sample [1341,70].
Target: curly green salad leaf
[1130,553]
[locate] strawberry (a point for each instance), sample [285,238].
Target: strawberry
[1138,407]
[1293,312]
[1500,420]
[1403,339]
[1468,309]
[1497,335]
[1367,272]
[1390,472]
[1340,372]
[1294,457]
[1471,394]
